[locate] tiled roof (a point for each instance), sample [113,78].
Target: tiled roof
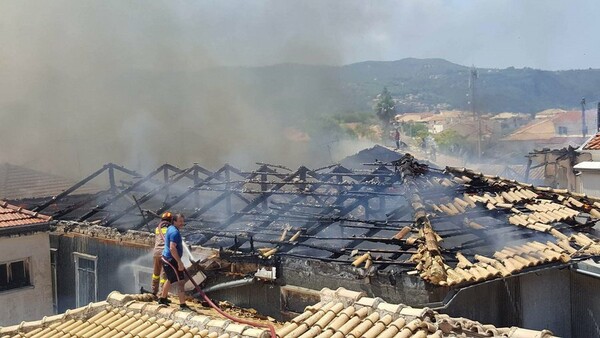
[537,209]
[131,316]
[344,313]
[545,128]
[511,171]
[11,216]
[17,182]
[535,130]
[574,116]
[593,143]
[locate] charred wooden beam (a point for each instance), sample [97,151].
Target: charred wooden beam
[122,193]
[71,189]
[143,199]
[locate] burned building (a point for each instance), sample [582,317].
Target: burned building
[465,243]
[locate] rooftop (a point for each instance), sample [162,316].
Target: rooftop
[17,182]
[137,316]
[12,216]
[545,128]
[451,226]
[593,143]
[340,313]
[345,313]
[587,165]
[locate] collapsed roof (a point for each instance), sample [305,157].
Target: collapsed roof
[452,226]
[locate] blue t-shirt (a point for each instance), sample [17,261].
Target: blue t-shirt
[172,235]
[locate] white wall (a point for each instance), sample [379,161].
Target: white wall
[34,302]
[595,154]
[590,182]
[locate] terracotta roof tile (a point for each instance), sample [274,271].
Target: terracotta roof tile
[11,215]
[593,143]
[130,316]
[377,321]
[17,182]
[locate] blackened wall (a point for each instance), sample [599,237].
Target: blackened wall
[563,301]
[316,275]
[585,305]
[113,265]
[496,302]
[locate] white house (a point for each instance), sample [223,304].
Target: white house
[26,283]
[589,171]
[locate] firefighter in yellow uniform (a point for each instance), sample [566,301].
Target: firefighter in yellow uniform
[158,275]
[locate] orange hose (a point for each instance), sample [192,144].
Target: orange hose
[223,313]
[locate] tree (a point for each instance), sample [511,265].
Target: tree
[385,108]
[450,140]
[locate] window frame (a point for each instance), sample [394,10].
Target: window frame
[137,269]
[54,278]
[26,267]
[76,257]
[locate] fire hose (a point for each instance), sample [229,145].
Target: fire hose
[226,315]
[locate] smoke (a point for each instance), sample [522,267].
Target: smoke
[140,84]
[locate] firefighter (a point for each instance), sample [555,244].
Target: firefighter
[158,275]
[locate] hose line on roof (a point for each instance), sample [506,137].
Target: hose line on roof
[223,313]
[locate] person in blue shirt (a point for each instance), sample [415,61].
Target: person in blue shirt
[172,264]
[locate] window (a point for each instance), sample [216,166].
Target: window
[562,130]
[86,282]
[142,277]
[53,259]
[15,274]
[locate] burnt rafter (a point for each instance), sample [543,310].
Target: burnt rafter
[452,226]
[122,193]
[146,197]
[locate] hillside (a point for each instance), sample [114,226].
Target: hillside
[422,84]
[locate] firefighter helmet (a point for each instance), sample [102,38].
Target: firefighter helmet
[167,216]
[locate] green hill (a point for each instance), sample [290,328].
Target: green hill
[299,91]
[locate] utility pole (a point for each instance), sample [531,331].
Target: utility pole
[584,129]
[598,118]
[477,116]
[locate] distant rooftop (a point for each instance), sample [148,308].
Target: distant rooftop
[17,182]
[593,143]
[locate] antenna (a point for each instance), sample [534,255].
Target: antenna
[474,76]
[584,128]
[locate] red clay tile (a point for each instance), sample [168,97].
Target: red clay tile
[593,144]
[11,215]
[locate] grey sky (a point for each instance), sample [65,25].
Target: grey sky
[195,34]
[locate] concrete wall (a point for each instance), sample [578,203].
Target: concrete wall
[400,289]
[34,302]
[585,305]
[563,301]
[546,301]
[495,302]
[590,182]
